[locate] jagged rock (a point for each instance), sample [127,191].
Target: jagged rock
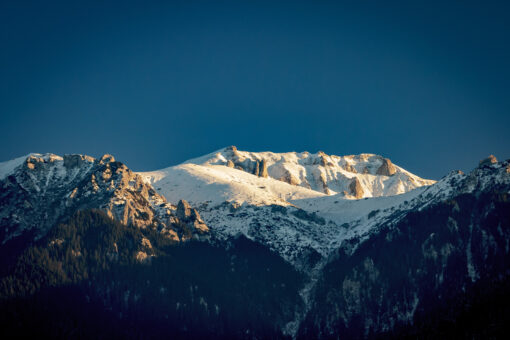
[488,161]
[191,217]
[38,162]
[305,169]
[233,151]
[288,178]
[195,215]
[387,168]
[355,188]
[63,185]
[323,181]
[75,161]
[146,243]
[320,159]
[350,168]
[107,158]
[263,169]
[256,168]
[171,234]
[32,162]
[233,206]
[183,210]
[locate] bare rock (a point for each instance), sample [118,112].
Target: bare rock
[355,188]
[233,150]
[190,216]
[230,164]
[488,161]
[288,178]
[183,210]
[350,168]
[263,169]
[107,158]
[34,162]
[387,168]
[323,181]
[75,161]
[256,168]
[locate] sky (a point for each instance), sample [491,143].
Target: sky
[155,83]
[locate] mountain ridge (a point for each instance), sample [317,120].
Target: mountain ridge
[43,188]
[338,246]
[329,174]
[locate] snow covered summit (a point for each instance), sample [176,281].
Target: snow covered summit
[295,203]
[274,178]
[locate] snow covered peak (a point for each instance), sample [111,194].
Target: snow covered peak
[39,190]
[9,167]
[353,176]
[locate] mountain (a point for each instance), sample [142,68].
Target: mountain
[270,245]
[355,176]
[439,270]
[294,217]
[38,191]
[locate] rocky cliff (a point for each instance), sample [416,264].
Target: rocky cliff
[44,189]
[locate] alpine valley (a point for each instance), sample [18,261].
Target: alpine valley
[253,245]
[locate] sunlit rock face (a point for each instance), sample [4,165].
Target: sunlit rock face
[191,217]
[387,168]
[44,189]
[327,174]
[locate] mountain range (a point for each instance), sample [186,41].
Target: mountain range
[253,245]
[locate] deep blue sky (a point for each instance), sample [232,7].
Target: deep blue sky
[425,84]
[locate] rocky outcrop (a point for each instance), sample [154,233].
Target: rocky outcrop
[350,168]
[322,159]
[183,210]
[488,161]
[76,161]
[191,217]
[63,185]
[107,158]
[387,168]
[355,188]
[263,169]
[288,178]
[324,183]
[232,150]
[34,162]
[256,168]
